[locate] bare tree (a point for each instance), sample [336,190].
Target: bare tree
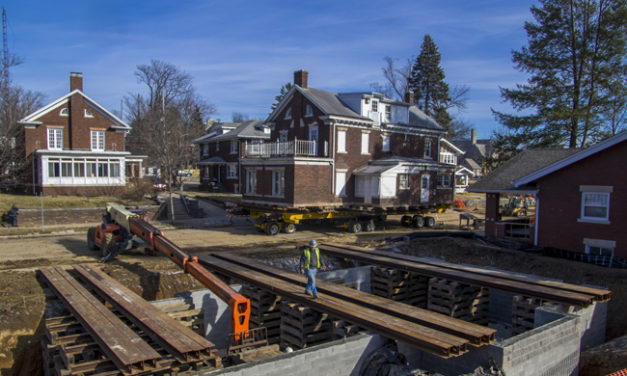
[397,78]
[166,119]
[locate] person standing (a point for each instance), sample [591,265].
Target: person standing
[310,262]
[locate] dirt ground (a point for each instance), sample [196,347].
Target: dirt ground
[155,277]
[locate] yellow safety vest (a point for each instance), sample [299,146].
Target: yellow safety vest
[308,258]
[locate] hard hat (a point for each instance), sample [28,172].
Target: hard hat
[313,243]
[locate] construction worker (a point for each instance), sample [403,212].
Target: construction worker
[310,262]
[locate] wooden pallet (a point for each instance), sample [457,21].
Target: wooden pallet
[303,327]
[265,311]
[523,313]
[399,285]
[459,300]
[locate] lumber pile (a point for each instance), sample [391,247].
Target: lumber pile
[186,314]
[265,311]
[459,300]
[303,327]
[399,285]
[523,313]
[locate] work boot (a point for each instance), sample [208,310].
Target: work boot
[307,292]
[315,297]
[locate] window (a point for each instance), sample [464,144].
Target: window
[55,139]
[97,140]
[599,247]
[205,149]
[444,180]
[103,169]
[385,142]
[54,169]
[448,158]
[88,113]
[427,149]
[375,106]
[91,169]
[79,169]
[251,181]
[308,111]
[288,114]
[595,206]
[365,143]
[403,181]
[278,183]
[388,112]
[340,183]
[231,171]
[66,169]
[341,141]
[114,169]
[218,146]
[65,112]
[234,147]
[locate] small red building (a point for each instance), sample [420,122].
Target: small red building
[581,196]
[76,146]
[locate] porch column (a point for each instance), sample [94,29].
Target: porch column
[492,214]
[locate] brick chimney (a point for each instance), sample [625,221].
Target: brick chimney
[409,97]
[300,78]
[76,81]
[473,136]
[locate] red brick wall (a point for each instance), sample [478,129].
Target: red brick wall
[298,106]
[560,202]
[313,185]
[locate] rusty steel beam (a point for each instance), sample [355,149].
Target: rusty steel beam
[474,279]
[477,335]
[427,339]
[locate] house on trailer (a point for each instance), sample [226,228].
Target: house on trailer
[221,150]
[581,197]
[331,150]
[76,146]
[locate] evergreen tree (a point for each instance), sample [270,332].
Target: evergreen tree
[576,61]
[284,90]
[427,79]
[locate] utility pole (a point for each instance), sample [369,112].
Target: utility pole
[5,49]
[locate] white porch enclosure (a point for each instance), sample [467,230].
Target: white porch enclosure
[275,149]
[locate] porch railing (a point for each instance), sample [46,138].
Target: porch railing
[287,148]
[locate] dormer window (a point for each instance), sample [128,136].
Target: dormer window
[65,112]
[288,114]
[308,110]
[388,112]
[375,106]
[88,113]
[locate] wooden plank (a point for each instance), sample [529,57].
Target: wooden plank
[427,339]
[476,334]
[161,327]
[124,347]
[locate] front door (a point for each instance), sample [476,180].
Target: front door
[424,188]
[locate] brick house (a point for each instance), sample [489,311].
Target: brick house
[221,150]
[350,150]
[76,146]
[581,196]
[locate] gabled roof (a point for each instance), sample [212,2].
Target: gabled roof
[523,164]
[417,118]
[247,129]
[450,145]
[460,169]
[585,153]
[32,118]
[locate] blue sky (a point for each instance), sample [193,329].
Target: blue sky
[241,52]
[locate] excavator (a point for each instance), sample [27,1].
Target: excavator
[124,229]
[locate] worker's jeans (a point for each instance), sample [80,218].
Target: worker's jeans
[311,281]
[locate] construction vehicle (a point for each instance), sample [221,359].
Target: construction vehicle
[124,229]
[516,207]
[272,220]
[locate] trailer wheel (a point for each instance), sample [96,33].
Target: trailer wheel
[354,227]
[107,244]
[272,228]
[418,221]
[91,239]
[370,226]
[429,221]
[289,228]
[406,221]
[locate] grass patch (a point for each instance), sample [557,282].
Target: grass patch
[63,202]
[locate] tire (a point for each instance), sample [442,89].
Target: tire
[107,244]
[289,228]
[418,221]
[354,227]
[272,228]
[370,226]
[406,221]
[91,239]
[429,221]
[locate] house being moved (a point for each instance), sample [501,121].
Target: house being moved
[361,149]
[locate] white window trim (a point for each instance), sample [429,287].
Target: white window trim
[345,172]
[64,112]
[88,113]
[231,167]
[56,141]
[288,114]
[599,243]
[341,146]
[430,149]
[233,147]
[385,146]
[400,186]
[96,146]
[367,151]
[308,111]
[274,193]
[591,189]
